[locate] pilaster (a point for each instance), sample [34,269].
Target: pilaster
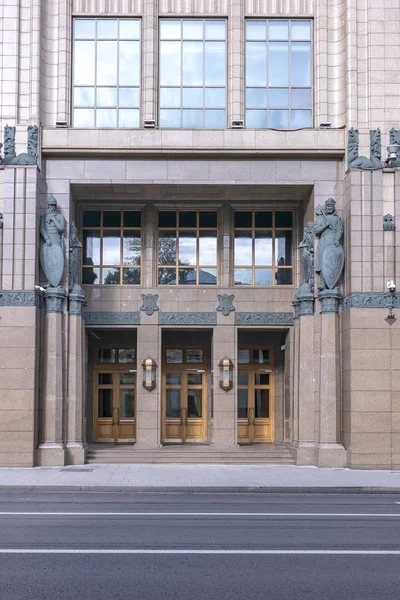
[148,404]
[51,451]
[303,448]
[224,344]
[76,435]
[329,451]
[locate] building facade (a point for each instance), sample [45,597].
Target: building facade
[173,269]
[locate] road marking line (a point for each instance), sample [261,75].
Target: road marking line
[195,551]
[195,514]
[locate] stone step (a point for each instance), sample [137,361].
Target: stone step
[262,454]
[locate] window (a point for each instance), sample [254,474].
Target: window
[111,247]
[263,248]
[187,247]
[106,73]
[278,74]
[192,74]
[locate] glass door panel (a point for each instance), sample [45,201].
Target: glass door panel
[262,404]
[173,408]
[126,403]
[105,405]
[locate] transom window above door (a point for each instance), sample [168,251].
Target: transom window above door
[278,74]
[187,247]
[111,247]
[192,74]
[106,73]
[263,247]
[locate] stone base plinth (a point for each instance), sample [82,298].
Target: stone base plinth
[330,455]
[50,455]
[76,453]
[303,453]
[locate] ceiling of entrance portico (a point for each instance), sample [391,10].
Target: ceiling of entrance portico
[192,193]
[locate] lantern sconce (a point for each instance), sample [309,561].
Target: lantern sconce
[149,374]
[225,374]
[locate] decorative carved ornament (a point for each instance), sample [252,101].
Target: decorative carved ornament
[225,304]
[112,318]
[330,255]
[15,298]
[187,318]
[362,162]
[369,300]
[149,305]
[388,224]
[266,318]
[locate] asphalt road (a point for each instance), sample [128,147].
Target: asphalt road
[71,546]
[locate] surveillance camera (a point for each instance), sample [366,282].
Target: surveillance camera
[391,286]
[40,289]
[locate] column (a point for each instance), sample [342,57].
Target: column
[303,430]
[224,433]
[329,451]
[51,451]
[76,435]
[148,404]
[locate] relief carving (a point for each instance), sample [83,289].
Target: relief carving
[394,138]
[362,162]
[149,305]
[187,318]
[267,318]
[25,158]
[112,318]
[225,304]
[388,224]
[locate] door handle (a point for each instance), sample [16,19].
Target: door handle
[118,415]
[185,422]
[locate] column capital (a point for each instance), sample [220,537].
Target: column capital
[53,299]
[330,300]
[77,301]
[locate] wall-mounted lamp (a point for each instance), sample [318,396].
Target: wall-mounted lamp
[393,151]
[225,374]
[149,374]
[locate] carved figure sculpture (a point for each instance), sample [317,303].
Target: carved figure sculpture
[394,138]
[307,258]
[52,227]
[388,224]
[29,158]
[362,162]
[330,254]
[74,249]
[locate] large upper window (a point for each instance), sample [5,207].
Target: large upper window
[193,74]
[263,247]
[111,247]
[278,74]
[106,73]
[187,247]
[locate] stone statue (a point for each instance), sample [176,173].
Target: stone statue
[74,249]
[1,160]
[52,227]
[388,224]
[29,158]
[330,254]
[362,162]
[307,258]
[395,139]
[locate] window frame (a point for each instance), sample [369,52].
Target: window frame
[117,107]
[121,229]
[181,108]
[273,267]
[289,86]
[196,267]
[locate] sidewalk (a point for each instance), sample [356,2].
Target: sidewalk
[198,478]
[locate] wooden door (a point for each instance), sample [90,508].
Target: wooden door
[184,398]
[255,398]
[115,405]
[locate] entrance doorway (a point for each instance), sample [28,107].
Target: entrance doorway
[115,396]
[255,395]
[184,401]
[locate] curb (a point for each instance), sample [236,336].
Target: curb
[204,489]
